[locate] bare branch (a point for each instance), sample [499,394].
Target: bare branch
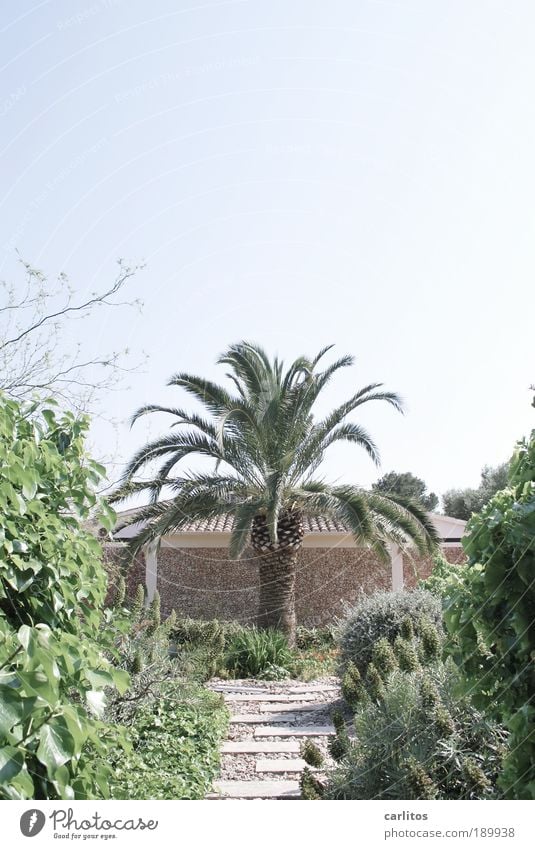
[34,356]
[97,299]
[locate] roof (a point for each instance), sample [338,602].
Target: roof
[447,526]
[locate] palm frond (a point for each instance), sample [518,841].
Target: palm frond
[243,519]
[266,445]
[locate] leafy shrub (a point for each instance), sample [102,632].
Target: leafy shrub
[315,638]
[175,740]
[204,632]
[253,653]
[141,647]
[381,615]
[491,616]
[311,788]
[444,579]
[418,740]
[53,673]
[311,754]
[200,646]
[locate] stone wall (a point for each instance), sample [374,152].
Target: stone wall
[204,583]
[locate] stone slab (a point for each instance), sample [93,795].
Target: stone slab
[269,697]
[237,688]
[257,789]
[280,765]
[254,747]
[306,707]
[294,731]
[280,716]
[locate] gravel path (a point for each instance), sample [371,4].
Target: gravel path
[281,707]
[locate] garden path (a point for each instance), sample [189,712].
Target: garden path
[269,720]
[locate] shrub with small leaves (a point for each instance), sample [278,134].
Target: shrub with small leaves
[138,606]
[406,655]
[137,664]
[383,658]
[376,687]
[338,721]
[170,623]
[431,646]
[311,754]
[120,592]
[384,615]
[475,776]
[418,780]
[314,638]
[353,689]
[443,721]
[311,788]
[339,744]
[414,742]
[155,615]
[407,628]
[429,693]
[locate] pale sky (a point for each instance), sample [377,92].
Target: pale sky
[296,173]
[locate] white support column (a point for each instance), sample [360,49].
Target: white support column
[396,560]
[151,569]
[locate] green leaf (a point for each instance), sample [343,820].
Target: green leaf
[99,678]
[108,517]
[96,701]
[23,784]
[37,684]
[13,709]
[56,745]
[11,763]
[29,484]
[121,679]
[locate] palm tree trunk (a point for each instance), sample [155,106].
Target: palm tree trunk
[277,570]
[276,607]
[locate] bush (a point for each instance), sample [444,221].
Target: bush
[418,741]
[382,615]
[491,616]
[254,654]
[175,740]
[53,742]
[444,579]
[199,632]
[141,647]
[315,638]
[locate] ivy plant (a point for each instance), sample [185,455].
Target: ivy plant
[53,672]
[492,616]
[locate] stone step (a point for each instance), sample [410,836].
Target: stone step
[269,697]
[256,789]
[313,688]
[293,706]
[280,765]
[294,731]
[220,688]
[280,716]
[253,747]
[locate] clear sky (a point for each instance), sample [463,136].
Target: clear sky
[297,173]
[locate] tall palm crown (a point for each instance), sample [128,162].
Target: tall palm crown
[267,447]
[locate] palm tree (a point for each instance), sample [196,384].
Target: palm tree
[267,447]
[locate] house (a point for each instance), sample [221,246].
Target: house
[192,570]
